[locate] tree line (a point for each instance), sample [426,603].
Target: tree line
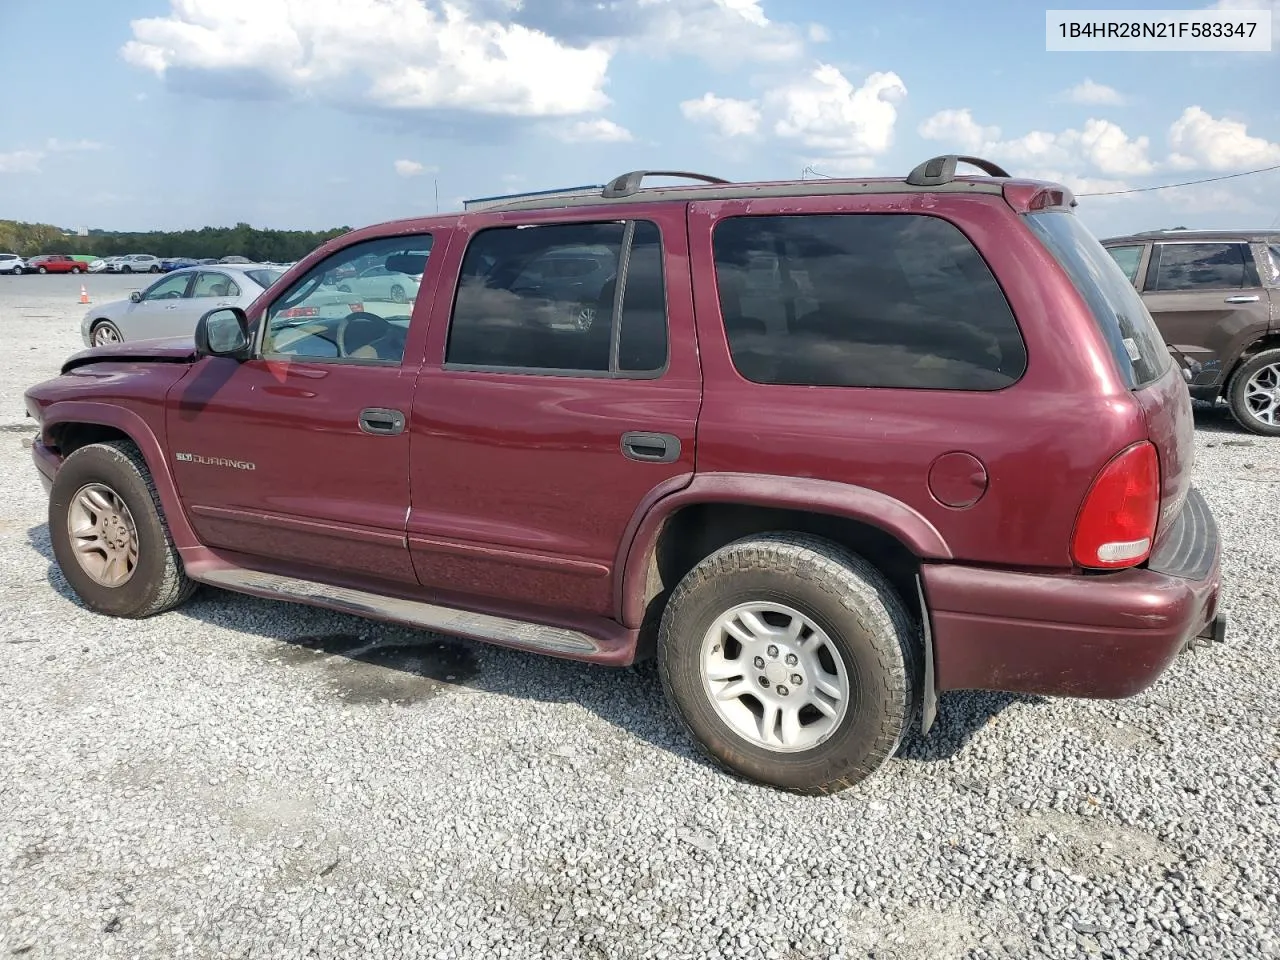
[277,246]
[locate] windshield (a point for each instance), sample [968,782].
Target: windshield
[1139,349]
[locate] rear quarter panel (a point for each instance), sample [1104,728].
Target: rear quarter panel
[1041,440]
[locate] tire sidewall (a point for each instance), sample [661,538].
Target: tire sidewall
[858,737]
[97,464]
[1235,396]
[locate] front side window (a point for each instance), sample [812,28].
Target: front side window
[1128,259]
[173,287]
[334,313]
[1196,266]
[546,299]
[863,300]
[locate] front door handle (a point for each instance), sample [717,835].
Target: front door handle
[651,447]
[381,422]
[1243,299]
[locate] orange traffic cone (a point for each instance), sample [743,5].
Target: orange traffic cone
[84,294]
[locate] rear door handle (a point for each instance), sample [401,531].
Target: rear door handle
[651,447]
[381,421]
[1243,299]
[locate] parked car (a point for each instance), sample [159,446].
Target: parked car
[134,263]
[816,517]
[171,306]
[1215,296]
[379,283]
[11,263]
[54,263]
[97,265]
[177,263]
[235,259]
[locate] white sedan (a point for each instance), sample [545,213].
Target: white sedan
[379,283]
[171,306]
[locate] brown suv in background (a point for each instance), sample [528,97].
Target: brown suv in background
[1215,295]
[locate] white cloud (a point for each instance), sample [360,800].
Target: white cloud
[818,33]
[958,128]
[828,115]
[728,117]
[599,130]
[21,161]
[29,161]
[1203,142]
[1091,93]
[409,168]
[722,32]
[1100,145]
[396,54]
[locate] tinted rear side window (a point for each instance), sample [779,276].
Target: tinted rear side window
[1139,350]
[1197,266]
[863,300]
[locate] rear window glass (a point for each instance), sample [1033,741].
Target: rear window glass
[1136,344]
[863,300]
[264,278]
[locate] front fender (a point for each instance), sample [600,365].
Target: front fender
[867,506]
[140,432]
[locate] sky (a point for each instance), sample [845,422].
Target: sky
[309,114]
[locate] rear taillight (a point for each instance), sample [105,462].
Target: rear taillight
[1117,523]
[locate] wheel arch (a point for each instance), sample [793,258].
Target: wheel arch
[673,532]
[69,425]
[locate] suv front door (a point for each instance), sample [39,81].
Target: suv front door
[1208,300]
[301,454]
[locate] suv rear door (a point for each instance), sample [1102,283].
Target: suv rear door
[1208,300]
[540,428]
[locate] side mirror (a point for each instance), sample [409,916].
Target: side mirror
[223,333]
[136,296]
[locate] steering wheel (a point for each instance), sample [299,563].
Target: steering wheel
[377,327]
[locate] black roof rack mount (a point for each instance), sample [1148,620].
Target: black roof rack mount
[629,183]
[940,170]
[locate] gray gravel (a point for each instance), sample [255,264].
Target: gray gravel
[254,779]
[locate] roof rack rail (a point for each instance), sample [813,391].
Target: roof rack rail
[939,170]
[629,183]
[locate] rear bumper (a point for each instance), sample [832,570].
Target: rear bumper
[1097,636]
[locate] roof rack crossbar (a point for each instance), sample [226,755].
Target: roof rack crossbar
[939,170]
[629,183]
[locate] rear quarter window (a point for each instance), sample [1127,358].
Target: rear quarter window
[863,300]
[1136,344]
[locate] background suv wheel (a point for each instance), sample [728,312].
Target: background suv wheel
[791,661]
[1254,394]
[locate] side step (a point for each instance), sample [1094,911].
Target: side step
[538,638]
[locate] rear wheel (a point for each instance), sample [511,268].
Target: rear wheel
[75,269]
[791,661]
[1254,394]
[109,534]
[155,268]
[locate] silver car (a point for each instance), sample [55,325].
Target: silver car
[171,306]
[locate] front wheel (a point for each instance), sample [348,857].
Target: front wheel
[109,535]
[104,333]
[126,269]
[41,270]
[791,661]
[1254,394]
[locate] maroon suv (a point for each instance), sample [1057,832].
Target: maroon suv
[824,448]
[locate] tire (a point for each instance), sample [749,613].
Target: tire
[126,269]
[860,620]
[155,269]
[75,269]
[397,294]
[17,271]
[1246,393]
[157,581]
[41,270]
[104,332]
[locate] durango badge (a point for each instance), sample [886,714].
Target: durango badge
[215,461]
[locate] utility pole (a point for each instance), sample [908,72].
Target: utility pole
[436,183]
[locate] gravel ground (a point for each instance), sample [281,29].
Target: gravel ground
[252,779]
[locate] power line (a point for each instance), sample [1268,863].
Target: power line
[1185,183]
